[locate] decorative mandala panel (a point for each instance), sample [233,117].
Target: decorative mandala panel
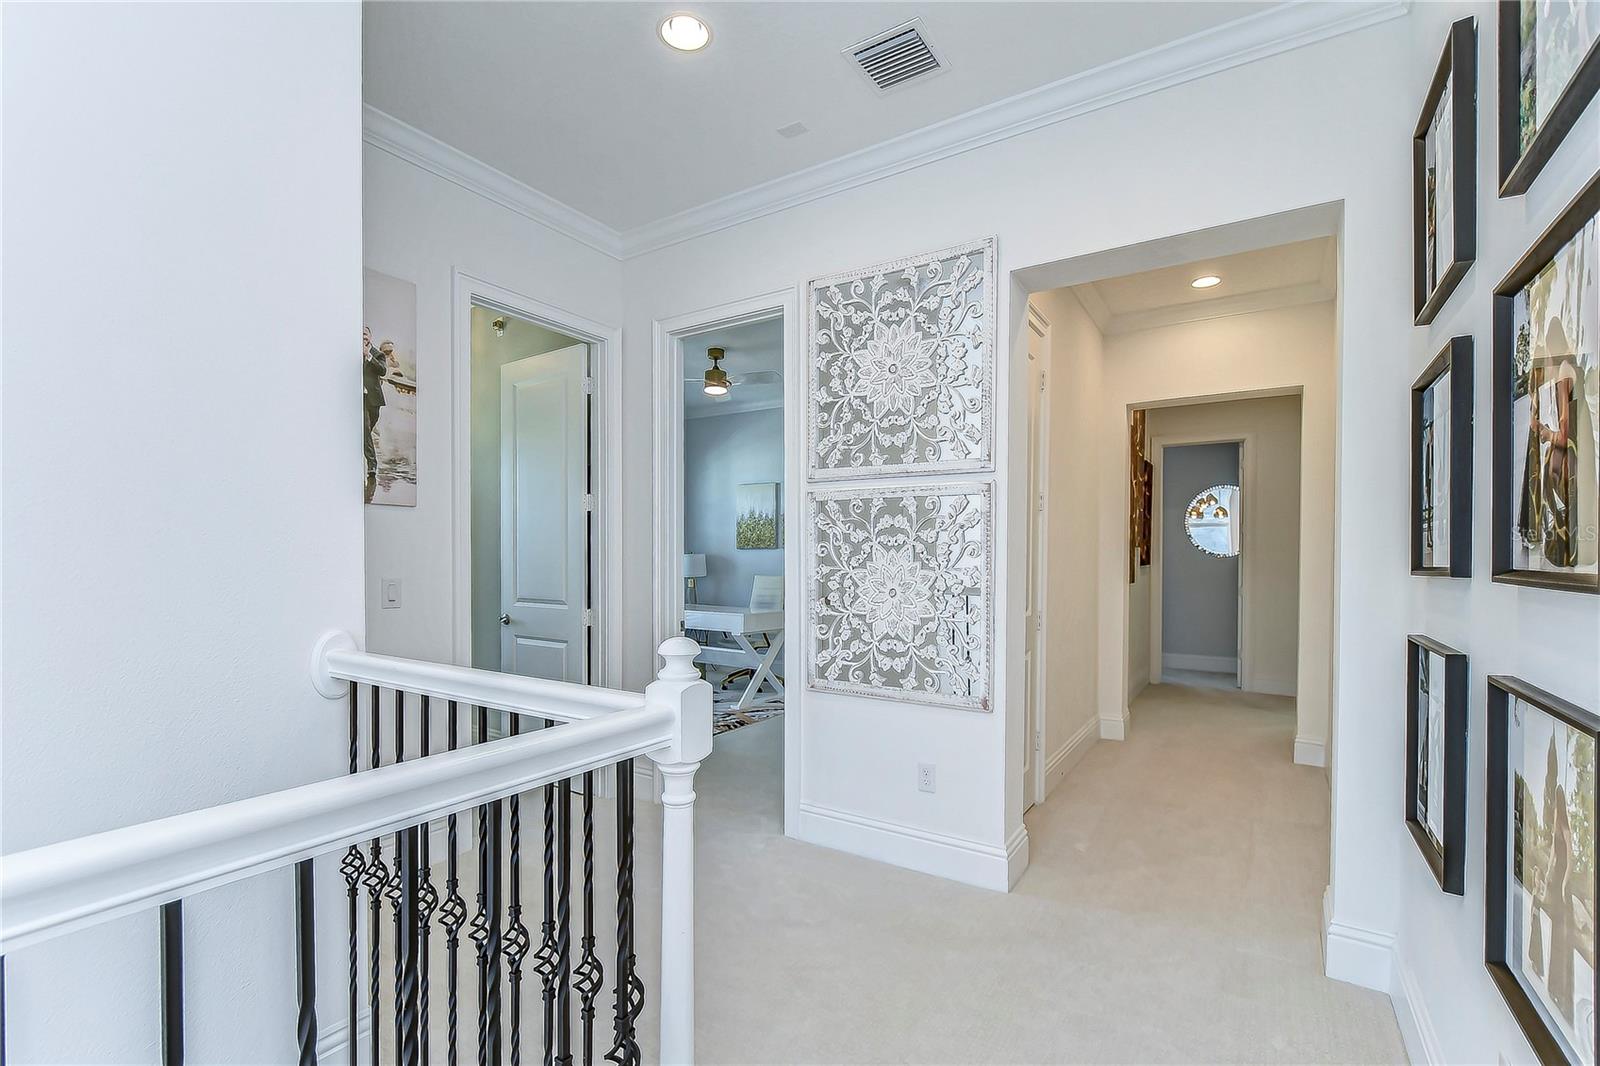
[902,366]
[899,596]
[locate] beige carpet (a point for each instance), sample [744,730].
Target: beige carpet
[1170,915]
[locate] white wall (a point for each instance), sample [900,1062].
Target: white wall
[1199,591]
[720,453]
[1546,637]
[183,519]
[1275,572]
[423,228]
[1074,370]
[1299,130]
[1285,349]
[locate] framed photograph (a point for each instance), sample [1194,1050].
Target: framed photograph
[389,389]
[1547,407]
[1145,511]
[901,366]
[1539,939]
[1444,187]
[1436,758]
[1441,464]
[756,524]
[1549,71]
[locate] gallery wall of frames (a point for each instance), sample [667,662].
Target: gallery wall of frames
[1542,320]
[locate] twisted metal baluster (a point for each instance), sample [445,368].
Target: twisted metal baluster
[452,913]
[352,867]
[589,977]
[405,949]
[486,923]
[305,920]
[629,999]
[517,940]
[427,901]
[563,1056]
[376,879]
[396,891]
[547,958]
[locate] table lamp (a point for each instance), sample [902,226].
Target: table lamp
[693,566]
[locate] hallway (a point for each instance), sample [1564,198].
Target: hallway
[1170,914]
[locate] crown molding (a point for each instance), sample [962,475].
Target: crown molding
[1247,303]
[385,132]
[732,407]
[1267,33]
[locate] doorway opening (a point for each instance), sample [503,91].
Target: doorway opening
[727,517]
[1198,582]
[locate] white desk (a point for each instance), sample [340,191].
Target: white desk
[739,623]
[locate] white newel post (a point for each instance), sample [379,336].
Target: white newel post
[679,687]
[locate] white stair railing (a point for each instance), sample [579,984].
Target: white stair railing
[54,890]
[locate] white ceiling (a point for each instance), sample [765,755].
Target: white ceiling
[751,347]
[582,102]
[1282,275]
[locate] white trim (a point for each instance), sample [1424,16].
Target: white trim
[1067,756]
[334,1041]
[669,418]
[1411,1011]
[1268,33]
[961,859]
[1355,954]
[1309,751]
[1208,664]
[385,132]
[1039,535]
[1274,686]
[732,407]
[606,365]
[1114,728]
[1017,850]
[1246,303]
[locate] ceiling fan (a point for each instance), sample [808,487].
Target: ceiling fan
[715,381]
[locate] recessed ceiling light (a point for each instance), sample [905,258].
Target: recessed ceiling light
[684,32]
[1205,281]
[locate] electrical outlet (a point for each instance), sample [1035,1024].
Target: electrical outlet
[925,781]
[391,593]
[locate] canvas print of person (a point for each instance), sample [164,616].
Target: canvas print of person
[1556,413]
[389,390]
[1551,924]
[1556,35]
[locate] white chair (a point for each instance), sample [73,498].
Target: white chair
[766,594]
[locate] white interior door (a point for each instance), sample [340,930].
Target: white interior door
[1033,611]
[544,535]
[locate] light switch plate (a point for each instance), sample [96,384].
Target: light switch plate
[391,593]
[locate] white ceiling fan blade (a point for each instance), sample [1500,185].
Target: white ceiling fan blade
[756,377]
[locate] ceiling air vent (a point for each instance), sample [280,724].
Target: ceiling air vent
[894,57]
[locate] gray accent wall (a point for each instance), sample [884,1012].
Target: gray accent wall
[720,453]
[1199,592]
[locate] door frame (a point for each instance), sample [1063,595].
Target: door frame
[605,434]
[668,367]
[1040,327]
[1245,675]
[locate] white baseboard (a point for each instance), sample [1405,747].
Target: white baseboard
[1411,1011]
[1016,856]
[1067,756]
[333,1043]
[1309,752]
[1355,954]
[1209,664]
[971,862]
[1114,728]
[1273,686]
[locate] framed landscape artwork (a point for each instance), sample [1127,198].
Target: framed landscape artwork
[1441,464]
[1444,152]
[1539,936]
[756,523]
[1436,758]
[1547,407]
[1549,71]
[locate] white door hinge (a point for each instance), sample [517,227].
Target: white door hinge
[588,501]
[588,386]
[588,617]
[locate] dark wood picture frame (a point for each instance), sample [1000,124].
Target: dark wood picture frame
[1459,66]
[1518,169]
[1454,359]
[1497,869]
[1145,512]
[1583,207]
[1448,861]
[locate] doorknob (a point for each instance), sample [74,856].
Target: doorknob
[505,619]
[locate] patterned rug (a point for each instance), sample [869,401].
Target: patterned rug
[724,718]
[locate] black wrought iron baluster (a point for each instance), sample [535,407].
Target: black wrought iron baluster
[407,1046]
[352,867]
[547,958]
[517,941]
[376,880]
[629,995]
[305,921]
[172,983]
[2,1010]
[452,914]
[563,1055]
[396,891]
[590,976]
[427,900]
[486,923]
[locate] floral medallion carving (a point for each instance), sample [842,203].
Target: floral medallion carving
[899,593]
[902,366]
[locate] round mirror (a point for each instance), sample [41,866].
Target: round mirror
[1212,521]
